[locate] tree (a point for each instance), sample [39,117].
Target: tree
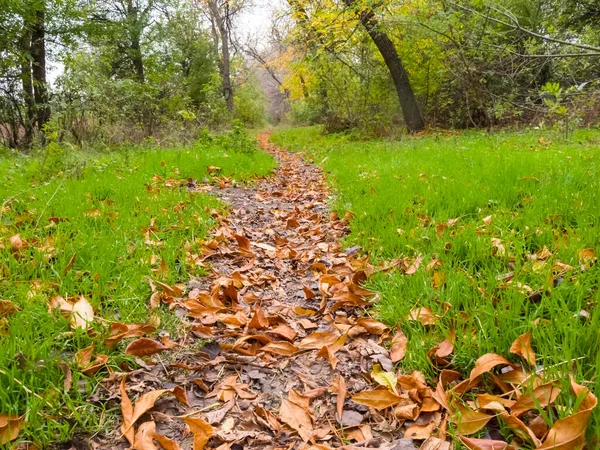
[410,109]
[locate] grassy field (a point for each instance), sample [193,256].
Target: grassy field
[510,224]
[74,224]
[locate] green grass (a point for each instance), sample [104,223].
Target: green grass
[539,194]
[104,204]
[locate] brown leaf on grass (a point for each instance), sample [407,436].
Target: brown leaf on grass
[95,365]
[127,413]
[486,363]
[484,444]
[84,356]
[297,417]
[7,308]
[201,430]
[146,435]
[259,319]
[398,348]
[520,429]
[82,314]
[569,433]
[540,397]
[145,347]
[120,331]
[70,263]
[587,255]
[522,348]
[438,279]
[377,399]
[10,427]
[414,266]
[469,421]
[424,315]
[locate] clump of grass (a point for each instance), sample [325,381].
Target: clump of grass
[120,219]
[540,195]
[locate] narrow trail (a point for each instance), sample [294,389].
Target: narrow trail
[289,342]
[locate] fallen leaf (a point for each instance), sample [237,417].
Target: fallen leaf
[420,432]
[297,417]
[423,315]
[201,430]
[340,390]
[484,444]
[259,319]
[540,397]
[318,340]
[522,348]
[10,427]
[486,363]
[144,347]
[377,399]
[146,435]
[398,348]
[7,307]
[386,379]
[82,314]
[469,421]
[282,348]
[569,433]
[586,255]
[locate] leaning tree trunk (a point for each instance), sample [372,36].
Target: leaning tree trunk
[38,56]
[225,59]
[410,109]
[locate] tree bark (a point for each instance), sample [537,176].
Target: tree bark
[225,59]
[137,59]
[28,119]
[408,103]
[38,56]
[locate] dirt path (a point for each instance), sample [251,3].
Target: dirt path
[290,343]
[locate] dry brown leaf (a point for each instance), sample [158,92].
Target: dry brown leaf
[569,433]
[297,417]
[541,396]
[372,326]
[201,430]
[259,319]
[423,315]
[340,389]
[398,348]
[282,348]
[486,363]
[586,255]
[146,435]
[522,348]
[145,347]
[127,413]
[420,432]
[10,427]
[82,314]
[484,444]
[319,339]
[469,421]
[377,399]
[438,279]
[7,307]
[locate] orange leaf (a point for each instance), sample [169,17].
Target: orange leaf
[469,421]
[282,348]
[201,430]
[424,315]
[318,339]
[569,433]
[144,347]
[398,349]
[259,320]
[7,307]
[377,399]
[484,444]
[127,413]
[10,427]
[297,417]
[522,348]
[82,314]
[486,363]
[541,397]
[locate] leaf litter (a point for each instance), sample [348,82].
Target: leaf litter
[278,351]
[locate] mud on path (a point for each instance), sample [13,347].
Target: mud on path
[279,339]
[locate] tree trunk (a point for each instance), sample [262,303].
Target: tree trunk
[38,56]
[27,119]
[410,109]
[225,59]
[135,39]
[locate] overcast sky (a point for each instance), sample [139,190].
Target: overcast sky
[256,20]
